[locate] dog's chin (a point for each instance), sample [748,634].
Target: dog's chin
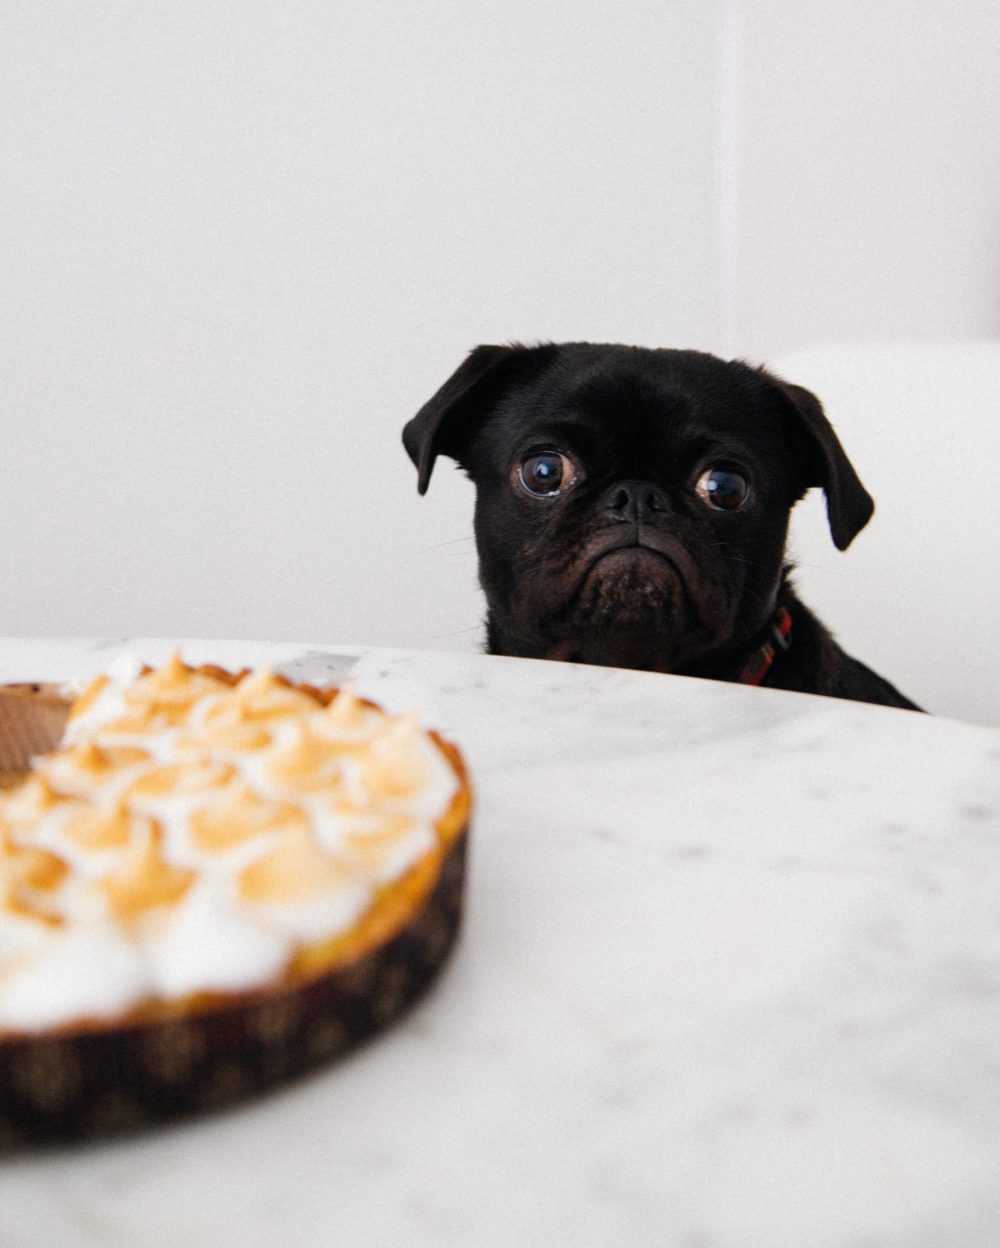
[632,609]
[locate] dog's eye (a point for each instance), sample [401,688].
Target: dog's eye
[545,473]
[722,488]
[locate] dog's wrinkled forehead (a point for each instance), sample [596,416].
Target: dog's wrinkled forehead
[637,412]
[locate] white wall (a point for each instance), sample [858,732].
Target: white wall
[866,189]
[240,246]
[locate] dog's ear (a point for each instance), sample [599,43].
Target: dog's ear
[446,422]
[849,506]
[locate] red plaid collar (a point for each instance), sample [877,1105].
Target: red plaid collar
[759,663]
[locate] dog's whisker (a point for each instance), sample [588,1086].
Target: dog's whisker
[453,542]
[751,563]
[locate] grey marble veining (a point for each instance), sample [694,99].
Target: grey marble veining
[730,977]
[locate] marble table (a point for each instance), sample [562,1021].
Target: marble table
[729,978]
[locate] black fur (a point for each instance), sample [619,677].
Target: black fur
[630,564]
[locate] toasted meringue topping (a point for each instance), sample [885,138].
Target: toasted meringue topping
[260,696]
[294,870]
[145,881]
[29,877]
[29,801]
[94,827]
[308,763]
[37,868]
[241,815]
[180,779]
[196,831]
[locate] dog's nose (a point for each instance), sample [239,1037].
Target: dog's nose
[635,502]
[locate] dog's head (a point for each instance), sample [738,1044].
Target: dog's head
[631,505]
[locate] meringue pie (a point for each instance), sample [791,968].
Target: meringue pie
[200,838]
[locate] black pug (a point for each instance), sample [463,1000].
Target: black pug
[632,509]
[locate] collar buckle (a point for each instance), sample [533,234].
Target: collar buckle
[781,630]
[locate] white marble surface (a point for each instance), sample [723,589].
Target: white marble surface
[730,978]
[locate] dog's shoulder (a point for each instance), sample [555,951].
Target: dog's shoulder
[816,663]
